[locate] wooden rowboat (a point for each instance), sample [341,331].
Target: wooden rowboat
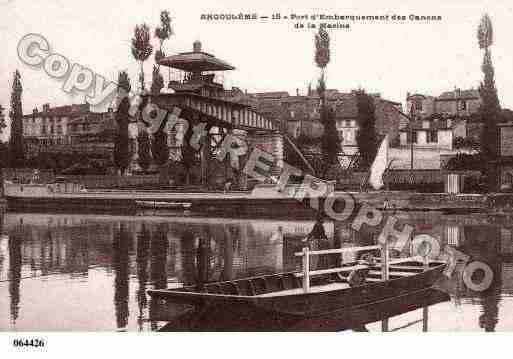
[312,293]
[163,205]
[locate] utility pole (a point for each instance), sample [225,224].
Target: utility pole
[412,119]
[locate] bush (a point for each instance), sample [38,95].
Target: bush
[464,161]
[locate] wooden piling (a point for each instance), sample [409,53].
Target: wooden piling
[306,269]
[384,261]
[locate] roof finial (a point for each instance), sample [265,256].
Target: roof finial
[196,46]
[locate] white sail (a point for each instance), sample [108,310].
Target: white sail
[379,165]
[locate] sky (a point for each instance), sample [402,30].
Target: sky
[392,58]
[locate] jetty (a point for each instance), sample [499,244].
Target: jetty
[262,201]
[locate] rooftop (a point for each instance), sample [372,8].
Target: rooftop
[303,107]
[65,110]
[196,60]
[456,94]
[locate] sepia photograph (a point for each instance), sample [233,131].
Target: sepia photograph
[240,166]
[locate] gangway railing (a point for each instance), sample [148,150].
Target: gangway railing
[306,273]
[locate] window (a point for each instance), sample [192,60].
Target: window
[432,137]
[349,136]
[462,105]
[340,135]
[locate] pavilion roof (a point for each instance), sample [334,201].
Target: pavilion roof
[195,61]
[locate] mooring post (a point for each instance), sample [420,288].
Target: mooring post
[384,261]
[425,318]
[426,261]
[306,269]
[384,325]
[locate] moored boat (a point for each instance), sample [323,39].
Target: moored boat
[313,293]
[163,205]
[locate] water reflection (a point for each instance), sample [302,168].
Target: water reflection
[106,264]
[120,263]
[142,260]
[363,318]
[15,261]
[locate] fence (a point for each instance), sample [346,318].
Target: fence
[419,180]
[26,175]
[93,181]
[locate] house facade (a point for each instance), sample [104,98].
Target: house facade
[456,103]
[437,134]
[300,114]
[72,129]
[441,119]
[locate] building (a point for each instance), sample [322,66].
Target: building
[300,114]
[435,134]
[457,103]
[71,130]
[197,72]
[505,162]
[459,108]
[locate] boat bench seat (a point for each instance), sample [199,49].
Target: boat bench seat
[255,286]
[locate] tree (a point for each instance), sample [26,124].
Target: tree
[330,142]
[366,137]
[121,144]
[163,32]
[143,150]
[124,83]
[322,58]
[16,147]
[159,147]
[157,82]
[2,120]
[490,110]
[188,154]
[141,48]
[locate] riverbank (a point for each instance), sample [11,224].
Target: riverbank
[243,204]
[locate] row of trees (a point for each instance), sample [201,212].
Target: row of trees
[149,150]
[153,149]
[490,112]
[329,142]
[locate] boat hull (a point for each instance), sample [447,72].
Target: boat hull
[309,304]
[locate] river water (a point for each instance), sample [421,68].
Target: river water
[77,272]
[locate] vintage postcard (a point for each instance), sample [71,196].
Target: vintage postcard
[240,166]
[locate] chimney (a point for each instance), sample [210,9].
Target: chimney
[34,111]
[46,107]
[297,92]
